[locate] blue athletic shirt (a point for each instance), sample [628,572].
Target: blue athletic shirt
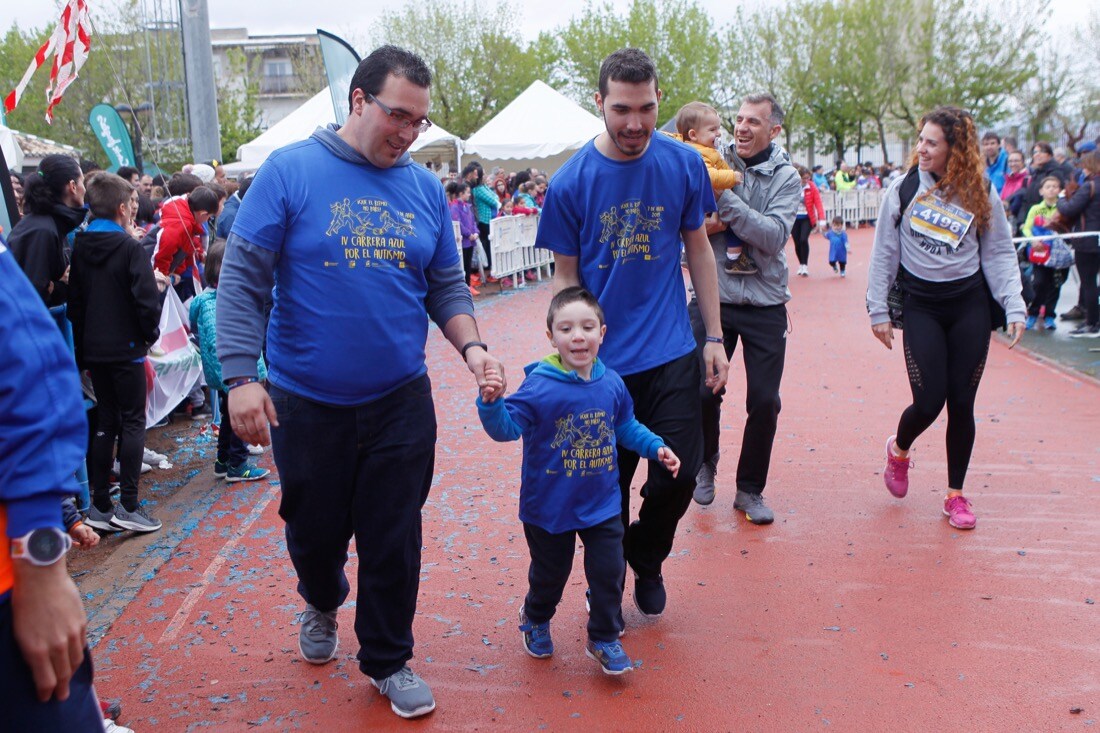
[353,240]
[622,220]
[570,428]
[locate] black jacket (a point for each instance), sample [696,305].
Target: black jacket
[1031,193]
[113,300]
[1082,211]
[38,243]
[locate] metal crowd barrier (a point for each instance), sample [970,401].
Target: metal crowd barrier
[853,206]
[512,245]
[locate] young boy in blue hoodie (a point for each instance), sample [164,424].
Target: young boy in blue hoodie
[571,411]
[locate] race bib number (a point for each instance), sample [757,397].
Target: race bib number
[939,220]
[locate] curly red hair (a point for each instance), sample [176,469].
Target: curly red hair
[964,182]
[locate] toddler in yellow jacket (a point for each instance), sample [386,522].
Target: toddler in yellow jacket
[698,125]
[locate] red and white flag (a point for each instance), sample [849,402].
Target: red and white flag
[69,46]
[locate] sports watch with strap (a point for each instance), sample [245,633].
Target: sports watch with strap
[43,546]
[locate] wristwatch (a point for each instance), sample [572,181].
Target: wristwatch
[43,546]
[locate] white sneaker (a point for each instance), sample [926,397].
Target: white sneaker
[256,450]
[117,467]
[153,458]
[110,726]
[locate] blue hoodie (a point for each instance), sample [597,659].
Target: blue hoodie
[569,426]
[360,258]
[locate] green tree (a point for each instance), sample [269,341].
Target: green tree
[961,53]
[679,35]
[478,60]
[238,102]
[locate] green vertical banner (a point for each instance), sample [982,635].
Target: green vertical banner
[341,61]
[109,127]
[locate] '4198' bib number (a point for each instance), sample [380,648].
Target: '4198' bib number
[939,220]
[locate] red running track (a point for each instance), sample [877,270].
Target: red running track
[853,612]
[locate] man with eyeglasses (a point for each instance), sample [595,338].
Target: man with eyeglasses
[359,240]
[1043,165]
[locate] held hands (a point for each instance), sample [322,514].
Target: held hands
[717,366]
[489,373]
[84,536]
[670,459]
[250,411]
[1015,332]
[493,387]
[884,332]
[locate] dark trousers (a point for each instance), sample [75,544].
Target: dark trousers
[664,401]
[361,471]
[120,416]
[800,232]
[1088,263]
[1048,286]
[604,568]
[483,234]
[762,331]
[23,713]
[231,449]
[468,262]
[946,343]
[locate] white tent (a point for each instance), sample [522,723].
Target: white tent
[541,127]
[317,112]
[13,154]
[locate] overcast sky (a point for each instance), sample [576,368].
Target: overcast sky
[354,19]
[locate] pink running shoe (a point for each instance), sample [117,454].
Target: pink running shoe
[959,516]
[896,473]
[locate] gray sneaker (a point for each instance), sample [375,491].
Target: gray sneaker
[101,520]
[704,481]
[317,640]
[756,511]
[137,520]
[410,696]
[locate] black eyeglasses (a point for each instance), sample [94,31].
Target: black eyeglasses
[398,119]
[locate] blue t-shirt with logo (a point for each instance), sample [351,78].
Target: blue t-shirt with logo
[354,243]
[622,220]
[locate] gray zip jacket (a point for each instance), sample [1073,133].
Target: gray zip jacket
[761,212]
[936,262]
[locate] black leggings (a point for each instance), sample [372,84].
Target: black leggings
[946,344]
[801,234]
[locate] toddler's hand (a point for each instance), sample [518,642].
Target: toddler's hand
[670,459]
[84,536]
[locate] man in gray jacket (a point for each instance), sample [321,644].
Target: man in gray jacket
[760,212]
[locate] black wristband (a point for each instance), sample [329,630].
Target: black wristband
[714,340]
[470,345]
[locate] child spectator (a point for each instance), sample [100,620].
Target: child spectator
[507,208]
[521,209]
[838,246]
[698,126]
[525,196]
[570,411]
[232,462]
[458,197]
[115,310]
[179,245]
[1049,271]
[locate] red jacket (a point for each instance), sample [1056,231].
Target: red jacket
[814,208]
[180,241]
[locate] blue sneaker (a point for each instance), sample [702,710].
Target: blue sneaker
[245,472]
[536,637]
[1029,324]
[610,655]
[1049,323]
[220,469]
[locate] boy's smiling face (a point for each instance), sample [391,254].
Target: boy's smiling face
[577,335]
